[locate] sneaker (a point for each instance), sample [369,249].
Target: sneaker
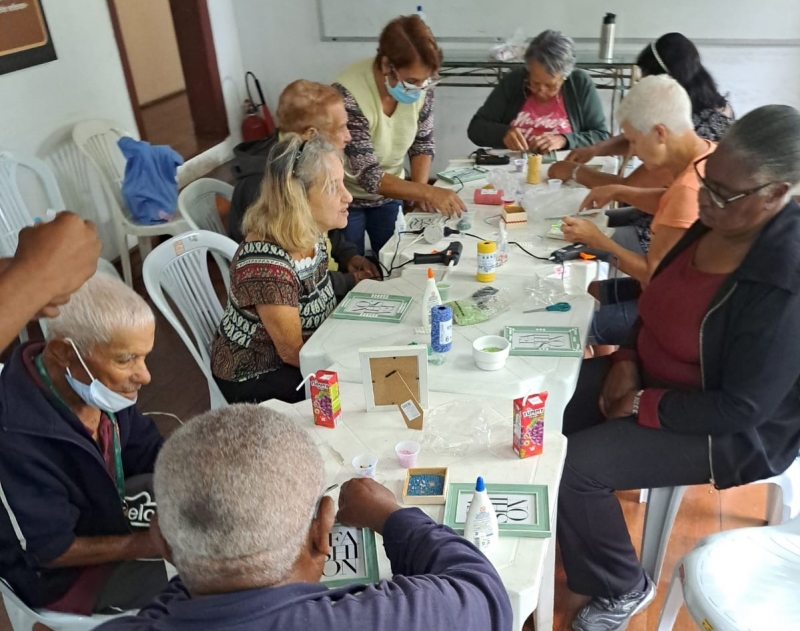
[613,614]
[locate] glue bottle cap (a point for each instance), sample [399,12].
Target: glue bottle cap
[479,485]
[430,273]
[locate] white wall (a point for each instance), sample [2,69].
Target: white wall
[152,48]
[86,80]
[281,42]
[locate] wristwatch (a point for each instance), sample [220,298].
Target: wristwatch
[574,176]
[636,399]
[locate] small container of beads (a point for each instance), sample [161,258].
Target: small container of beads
[425,485]
[325,398]
[528,425]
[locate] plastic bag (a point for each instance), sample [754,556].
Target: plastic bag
[481,306]
[513,49]
[459,428]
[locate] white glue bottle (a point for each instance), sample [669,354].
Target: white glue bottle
[481,527]
[430,298]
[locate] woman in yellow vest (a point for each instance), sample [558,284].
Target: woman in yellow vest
[389,104]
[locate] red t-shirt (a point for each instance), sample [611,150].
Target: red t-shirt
[540,119]
[672,309]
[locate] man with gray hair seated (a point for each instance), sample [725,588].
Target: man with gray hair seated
[72,443]
[243,517]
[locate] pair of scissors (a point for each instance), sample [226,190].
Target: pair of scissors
[559,306]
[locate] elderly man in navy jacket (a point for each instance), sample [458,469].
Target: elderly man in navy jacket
[242,515]
[71,440]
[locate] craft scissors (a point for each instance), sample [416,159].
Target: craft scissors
[559,306]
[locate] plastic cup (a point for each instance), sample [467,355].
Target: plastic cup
[444,291]
[365,465]
[520,164]
[554,184]
[407,452]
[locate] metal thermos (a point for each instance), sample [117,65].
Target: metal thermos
[607,37]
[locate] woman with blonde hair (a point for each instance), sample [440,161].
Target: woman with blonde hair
[280,290]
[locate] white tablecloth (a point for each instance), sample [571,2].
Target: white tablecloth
[526,565]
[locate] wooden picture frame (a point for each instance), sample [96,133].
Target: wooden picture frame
[523,510]
[382,394]
[353,557]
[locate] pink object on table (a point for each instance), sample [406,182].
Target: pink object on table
[407,452]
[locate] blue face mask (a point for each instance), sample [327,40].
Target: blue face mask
[96,394]
[401,94]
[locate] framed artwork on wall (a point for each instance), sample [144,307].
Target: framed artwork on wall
[24,35]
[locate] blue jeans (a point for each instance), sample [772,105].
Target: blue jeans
[377,221]
[612,323]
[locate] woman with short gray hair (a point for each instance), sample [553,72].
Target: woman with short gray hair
[545,106]
[706,391]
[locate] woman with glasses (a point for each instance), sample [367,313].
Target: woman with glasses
[707,390]
[280,289]
[547,105]
[657,122]
[389,103]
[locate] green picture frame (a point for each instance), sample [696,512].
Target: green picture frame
[523,510]
[373,307]
[353,557]
[544,341]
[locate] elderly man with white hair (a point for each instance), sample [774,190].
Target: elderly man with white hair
[71,439]
[243,517]
[656,119]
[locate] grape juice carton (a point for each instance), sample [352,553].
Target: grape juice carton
[325,403]
[529,425]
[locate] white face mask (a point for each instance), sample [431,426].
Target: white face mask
[96,394]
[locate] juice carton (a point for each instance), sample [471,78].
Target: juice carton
[529,425]
[325,398]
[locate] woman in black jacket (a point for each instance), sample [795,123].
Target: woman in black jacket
[709,388]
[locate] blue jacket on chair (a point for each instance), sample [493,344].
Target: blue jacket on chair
[150,188]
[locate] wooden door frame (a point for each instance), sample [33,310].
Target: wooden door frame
[126,69]
[198,57]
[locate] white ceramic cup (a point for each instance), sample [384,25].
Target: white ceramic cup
[493,359]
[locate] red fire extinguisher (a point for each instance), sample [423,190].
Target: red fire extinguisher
[256,124]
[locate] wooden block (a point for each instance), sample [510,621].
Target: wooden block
[426,499]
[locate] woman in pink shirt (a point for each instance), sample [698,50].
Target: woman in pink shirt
[545,106]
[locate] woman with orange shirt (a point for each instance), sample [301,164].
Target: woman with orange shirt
[657,121]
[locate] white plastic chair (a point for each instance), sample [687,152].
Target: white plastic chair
[740,580]
[179,268]
[15,213]
[97,139]
[783,503]
[23,618]
[198,205]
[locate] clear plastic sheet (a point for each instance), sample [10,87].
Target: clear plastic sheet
[460,428]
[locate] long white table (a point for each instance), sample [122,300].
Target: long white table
[485,223]
[336,343]
[526,565]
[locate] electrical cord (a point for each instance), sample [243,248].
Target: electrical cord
[540,258]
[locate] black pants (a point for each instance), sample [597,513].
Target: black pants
[279,384]
[604,456]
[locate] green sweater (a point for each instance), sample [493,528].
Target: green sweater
[581,100]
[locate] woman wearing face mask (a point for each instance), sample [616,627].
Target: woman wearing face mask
[389,102]
[280,289]
[72,442]
[546,106]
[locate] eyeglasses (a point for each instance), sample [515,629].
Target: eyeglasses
[430,82]
[719,200]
